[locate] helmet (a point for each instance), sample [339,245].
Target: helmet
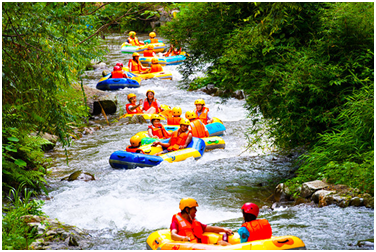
[150,91]
[130,96]
[251,208]
[176,111]
[187,202]
[132,33]
[155,117]
[152,34]
[200,101]
[154,60]
[190,115]
[120,64]
[135,141]
[135,54]
[150,47]
[184,122]
[117,68]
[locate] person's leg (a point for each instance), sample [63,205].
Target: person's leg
[150,111]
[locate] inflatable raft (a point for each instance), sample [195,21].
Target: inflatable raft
[130,160]
[170,60]
[129,48]
[161,240]
[164,75]
[158,47]
[167,110]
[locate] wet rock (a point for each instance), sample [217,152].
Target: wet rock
[299,201]
[105,73]
[137,119]
[334,199]
[320,194]
[369,202]
[309,188]
[72,241]
[238,94]
[366,244]
[79,175]
[281,193]
[356,201]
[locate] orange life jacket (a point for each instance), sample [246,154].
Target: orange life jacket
[173,120]
[134,41]
[130,148]
[204,115]
[154,40]
[192,230]
[172,52]
[198,129]
[135,111]
[118,74]
[159,131]
[177,140]
[153,104]
[149,53]
[134,66]
[258,229]
[155,68]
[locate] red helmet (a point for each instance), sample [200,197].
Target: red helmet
[119,64]
[117,68]
[251,208]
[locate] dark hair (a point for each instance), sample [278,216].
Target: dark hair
[248,217]
[183,211]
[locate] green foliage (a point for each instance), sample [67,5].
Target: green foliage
[16,234]
[303,66]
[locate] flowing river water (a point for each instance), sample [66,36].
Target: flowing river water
[122,207]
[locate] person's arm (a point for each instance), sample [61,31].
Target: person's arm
[134,107]
[150,133]
[176,237]
[210,119]
[166,145]
[244,234]
[189,139]
[215,229]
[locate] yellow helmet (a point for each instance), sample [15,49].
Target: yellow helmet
[200,101]
[131,33]
[185,122]
[150,91]
[130,96]
[187,202]
[135,54]
[150,47]
[176,111]
[135,141]
[154,60]
[155,117]
[152,34]
[190,115]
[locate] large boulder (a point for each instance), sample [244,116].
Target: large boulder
[309,188]
[320,194]
[79,175]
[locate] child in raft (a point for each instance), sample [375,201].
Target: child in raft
[135,145]
[253,229]
[155,66]
[149,52]
[175,118]
[156,129]
[179,139]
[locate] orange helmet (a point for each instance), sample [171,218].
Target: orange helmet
[187,202]
[135,141]
[150,47]
[135,54]
[131,33]
[185,122]
[155,117]
[176,111]
[190,115]
[152,34]
[150,91]
[130,96]
[154,60]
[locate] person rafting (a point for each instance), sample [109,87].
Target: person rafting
[118,73]
[151,104]
[132,107]
[198,128]
[156,129]
[172,51]
[185,227]
[155,66]
[135,144]
[132,39]
[253,229]
[135,65]
[202,112]
[179,139]
[152,38]
[175,118]
[149,52]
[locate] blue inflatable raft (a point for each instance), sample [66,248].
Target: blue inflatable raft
[107,83]
[170,60]
[130,160]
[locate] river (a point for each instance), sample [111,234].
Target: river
[122,207]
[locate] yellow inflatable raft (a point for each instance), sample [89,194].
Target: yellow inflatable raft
[161,240]
[167,111]
[164,75]
[129,48]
